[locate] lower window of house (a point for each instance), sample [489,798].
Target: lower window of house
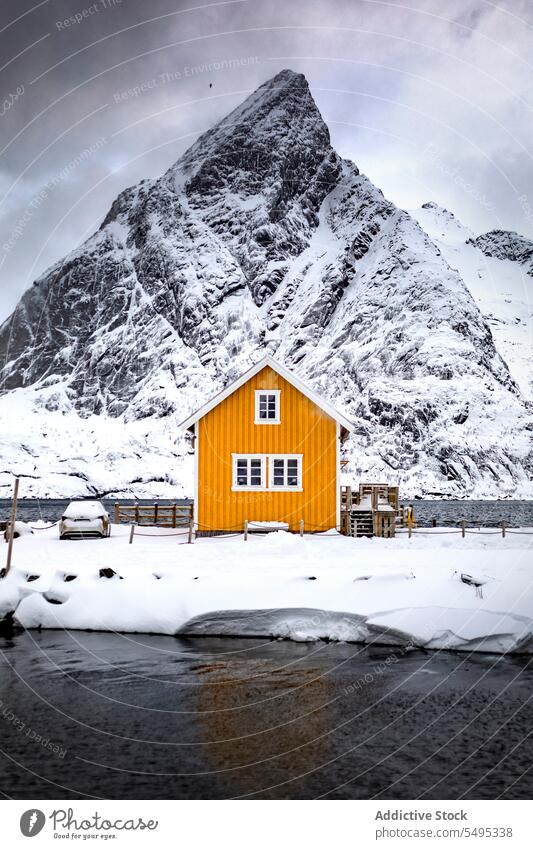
[249,471]
[267,471]
[285,472]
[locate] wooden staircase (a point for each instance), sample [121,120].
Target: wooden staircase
[371,511]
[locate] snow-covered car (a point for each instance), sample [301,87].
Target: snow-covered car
[84,519]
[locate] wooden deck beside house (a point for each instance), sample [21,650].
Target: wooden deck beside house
[372,510]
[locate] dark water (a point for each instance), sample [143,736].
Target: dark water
[51,509]
[517,514]
[486,513]
[155,717]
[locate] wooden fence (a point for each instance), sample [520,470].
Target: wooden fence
[156,515]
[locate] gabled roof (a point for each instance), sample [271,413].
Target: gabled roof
[285,373]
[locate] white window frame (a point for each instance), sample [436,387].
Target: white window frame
[285,487]
[248,488]
[277,419]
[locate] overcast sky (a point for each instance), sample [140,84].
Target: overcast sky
[433,101]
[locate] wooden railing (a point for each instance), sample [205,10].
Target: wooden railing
[157,515]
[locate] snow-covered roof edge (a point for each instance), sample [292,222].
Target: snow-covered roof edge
[285,373]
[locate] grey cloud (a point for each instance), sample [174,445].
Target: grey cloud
[147,77]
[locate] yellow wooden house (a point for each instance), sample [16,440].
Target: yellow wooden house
[267,450]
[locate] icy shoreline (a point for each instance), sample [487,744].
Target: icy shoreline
[396,592]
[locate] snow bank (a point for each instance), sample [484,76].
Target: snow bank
[397,592]
[10,595]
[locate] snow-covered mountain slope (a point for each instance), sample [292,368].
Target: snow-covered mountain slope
[497,267]
[56,453]
[262,238]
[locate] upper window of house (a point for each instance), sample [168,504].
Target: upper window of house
[267,406]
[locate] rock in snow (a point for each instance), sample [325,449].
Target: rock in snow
[260,238]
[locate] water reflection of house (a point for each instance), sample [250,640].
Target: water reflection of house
[265,724]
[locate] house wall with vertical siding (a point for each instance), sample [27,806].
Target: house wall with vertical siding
[229,429]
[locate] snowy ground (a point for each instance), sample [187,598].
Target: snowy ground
[396,592]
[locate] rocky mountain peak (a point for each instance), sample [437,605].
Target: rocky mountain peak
[440,223]
[275,142]
[281,114]
[259,177]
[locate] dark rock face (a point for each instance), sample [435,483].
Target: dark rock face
[275,153]
[503,244]
[261,238]
[8,624]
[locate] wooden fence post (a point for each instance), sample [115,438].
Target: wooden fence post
[137,513]
[117,513]
[301,527]
[409,529]
[189,538]
[173,515]
[433,523]
[245,529]
[462,527]
[12,526]
[132,531]
[156,511]
[503,528]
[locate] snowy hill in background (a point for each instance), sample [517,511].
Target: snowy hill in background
[497,267]
[261,238]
